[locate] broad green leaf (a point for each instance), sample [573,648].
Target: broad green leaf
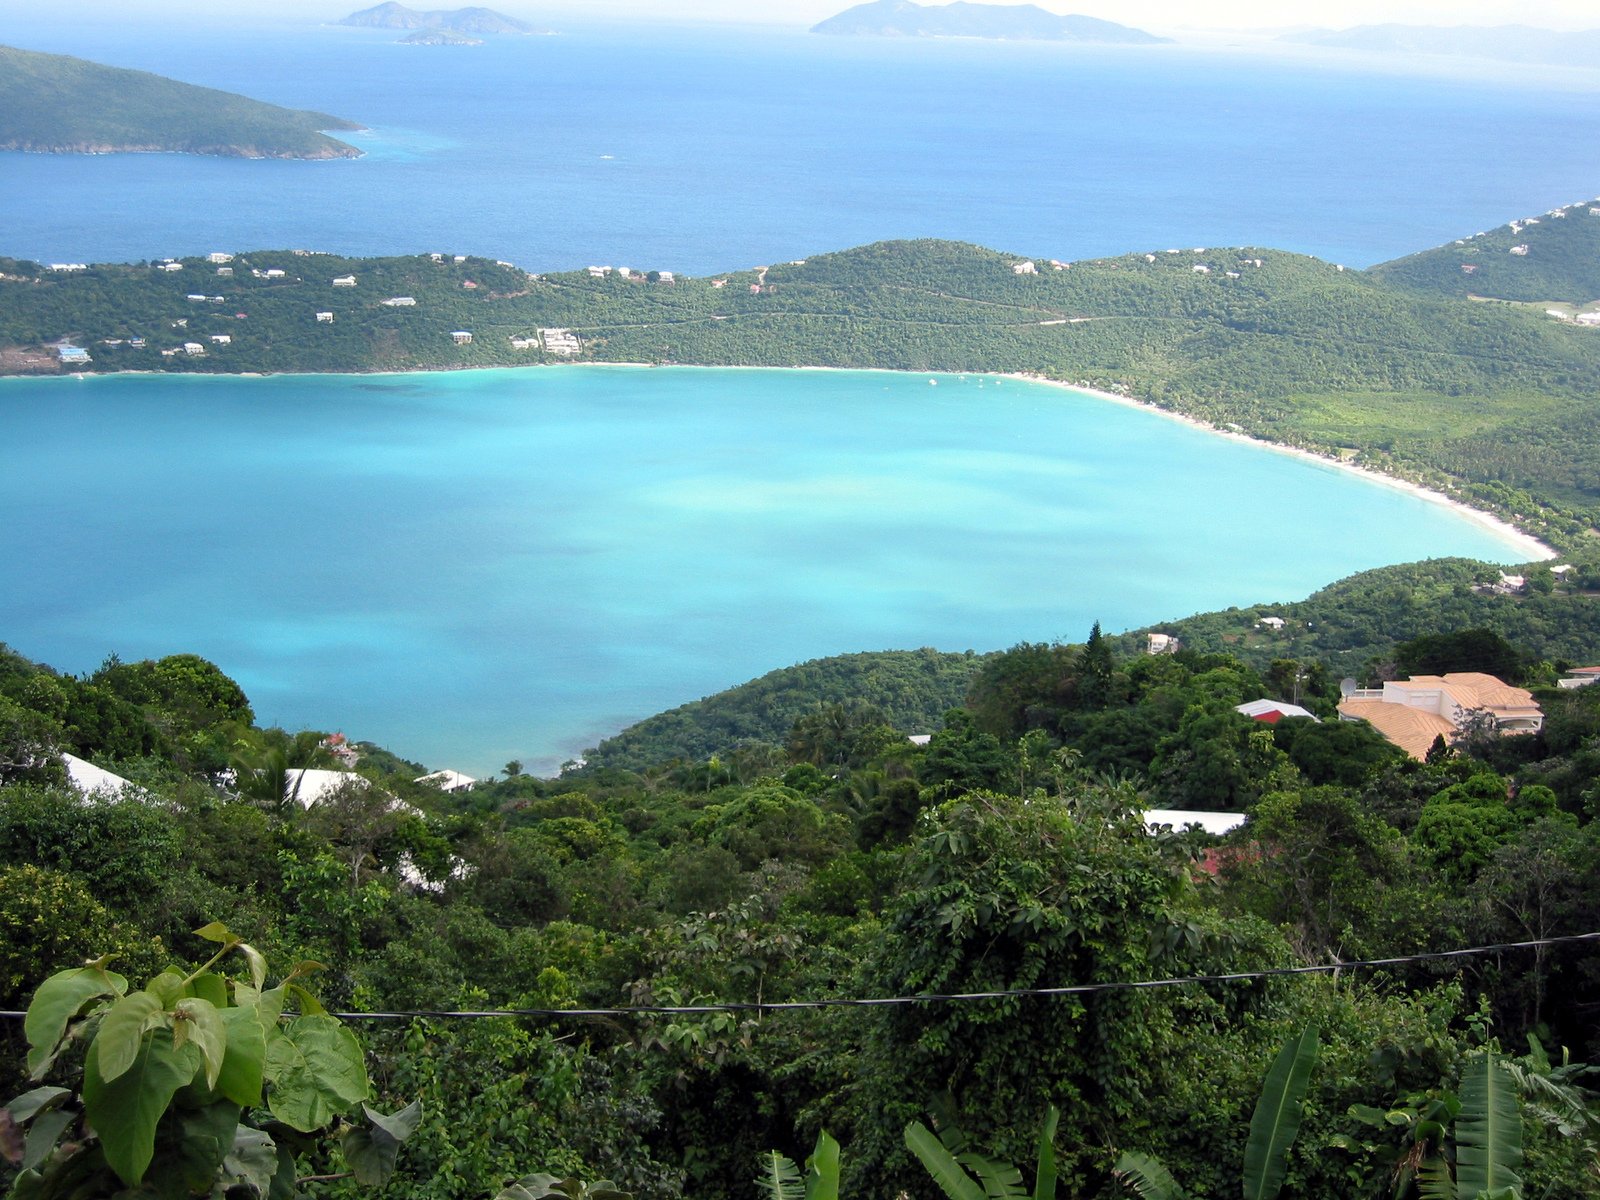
[211,987]
[530,1187]
[257,964]
[778,1177]
[1277,1117]
[24,1106]
[1488,1130]
[205,1029]
[1147,1176]
[310,1006]
[941,1165]
[400,1125]
[122,1032]
[822,1169]
[283,1179]
[316,1072]
[43,1134]
[59,999]
[271,1006]
[244,1062]
[168,987]
[1044,1172]
[1001,1180]
[219,933]
[124,1111]
[190,1147]
[371,1153]
[251,1163]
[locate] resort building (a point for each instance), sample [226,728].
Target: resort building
[561,341]
[72,354]
[1414,713]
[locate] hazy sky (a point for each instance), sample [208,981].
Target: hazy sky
[1156,14]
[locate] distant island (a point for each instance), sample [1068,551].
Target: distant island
[466,22]
[1015,22]
[56,104]
[439,37]
[1502,43]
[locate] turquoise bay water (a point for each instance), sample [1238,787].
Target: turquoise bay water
[480,566]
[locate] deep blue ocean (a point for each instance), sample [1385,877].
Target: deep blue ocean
[483,566]
[710,148]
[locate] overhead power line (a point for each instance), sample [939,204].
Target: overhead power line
[1076,989]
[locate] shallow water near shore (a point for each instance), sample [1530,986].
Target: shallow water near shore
[478,566]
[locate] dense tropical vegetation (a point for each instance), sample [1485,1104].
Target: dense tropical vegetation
[655,916]
[1370,366]
[57,104]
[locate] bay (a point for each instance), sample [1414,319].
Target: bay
[478,566]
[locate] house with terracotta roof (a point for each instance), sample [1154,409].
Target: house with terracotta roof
[1413,713]
[1579,677]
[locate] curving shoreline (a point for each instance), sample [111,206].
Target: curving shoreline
[1536,550]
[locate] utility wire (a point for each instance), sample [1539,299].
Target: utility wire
[1080,989]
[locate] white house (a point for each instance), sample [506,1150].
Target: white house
[447,781]
[1215,823]
[194,349]
[217,256]
[461,337]
[345,281]
[324,318]
[400,302]
[1024,268]
[1161,643]
[95,782]
[222,339]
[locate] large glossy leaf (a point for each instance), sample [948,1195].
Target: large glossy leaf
[197,1021]
[941,1164]
[1147,1176]
[778,1178]
[372,1152]
[1277,1117]
[1488,1130]
[59,999]
[316,1071]
[244,1061]
[1000,1180]
[122,1030]
[251,1163]
[190,1147]
[1044,1171]
[124,1111]
[43,1134]
[211,987]
[26,1105]
[822,1169]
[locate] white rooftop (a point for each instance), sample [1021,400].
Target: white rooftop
[1212,822]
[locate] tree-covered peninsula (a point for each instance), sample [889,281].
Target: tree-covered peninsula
[1391,368]
[57,104]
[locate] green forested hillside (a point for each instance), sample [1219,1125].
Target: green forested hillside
[1493,401]
[1557,263]
[56,104]
[908,689]
[693,900]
